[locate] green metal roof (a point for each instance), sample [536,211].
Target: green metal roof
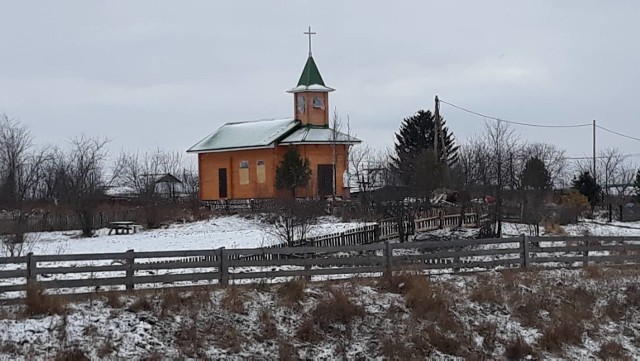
[310,74]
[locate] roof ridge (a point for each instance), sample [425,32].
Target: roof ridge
[259,120]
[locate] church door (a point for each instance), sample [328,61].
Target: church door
[325,179]
[222,183]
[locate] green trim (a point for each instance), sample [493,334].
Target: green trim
[310,74]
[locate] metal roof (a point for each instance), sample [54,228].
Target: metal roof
[317,135]
[310,79]
[243,135]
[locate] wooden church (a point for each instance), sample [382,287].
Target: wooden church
[239,160]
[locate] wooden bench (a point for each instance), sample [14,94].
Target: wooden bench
[122,227]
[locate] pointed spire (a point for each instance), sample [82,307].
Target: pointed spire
[310,74]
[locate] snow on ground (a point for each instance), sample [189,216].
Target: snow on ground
[225,231]
[557,314]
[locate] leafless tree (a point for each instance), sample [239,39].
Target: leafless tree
[292,219]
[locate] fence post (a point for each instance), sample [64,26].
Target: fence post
[307,265]
[524,251]
[388,259]
[31,268]
[376,233]
[585,253]
[441,216]
[224,267]
[130,260]
[456,260]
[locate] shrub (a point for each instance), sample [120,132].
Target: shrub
[291,293]
[233,300]
[268,328]
[72,354]
[611,350]
[39,303]
[337,309]
[142,303]
[113,300]
[517,349]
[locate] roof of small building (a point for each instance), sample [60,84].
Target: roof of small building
[247,134]
[318,135]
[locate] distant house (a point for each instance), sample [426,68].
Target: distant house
[239,160]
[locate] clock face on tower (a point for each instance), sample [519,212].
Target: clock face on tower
[318,102]
[301,104]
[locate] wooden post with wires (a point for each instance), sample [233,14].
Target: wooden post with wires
[594,149]
[436,128]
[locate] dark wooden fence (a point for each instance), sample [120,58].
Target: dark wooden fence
[88,273]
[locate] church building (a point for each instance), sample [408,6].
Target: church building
[239,160]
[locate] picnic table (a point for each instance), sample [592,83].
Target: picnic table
[122,227]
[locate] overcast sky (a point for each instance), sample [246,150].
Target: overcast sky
[167,73]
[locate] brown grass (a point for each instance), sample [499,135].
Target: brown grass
[307,331]
[400,283]
[517,349]
[632,295]
[336,309]
[233,300]
[286,351]
[429,303]
[612,350]
[142,303]
[226,336]
[291,293]
[113,300]
[488,293]
[106,348]
[188,339]
[552,228]
[268,329]
[39,303]
[560,332]
[488,332]
[71,354]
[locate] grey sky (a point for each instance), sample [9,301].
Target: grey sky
[167,73]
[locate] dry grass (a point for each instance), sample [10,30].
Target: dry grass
[612,350]
[336,309]
[400,283]
[552,228]
[561,332]
[141,304]
[517,349]
[286,351]
[226,336]
[188,339]
[307,331]
[488,332]
[71,354]
[113,300]
[268,329]
[106,348]
[428,303]
[489,293]
[39,303]
[291,293]
[233,300]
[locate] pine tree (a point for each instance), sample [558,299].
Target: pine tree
[588,187]
[293,171]
[636,186]
[416,136]
[535,175]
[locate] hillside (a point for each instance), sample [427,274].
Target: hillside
[588,313]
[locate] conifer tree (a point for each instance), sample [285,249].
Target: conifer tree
[416,136]
[588,187]
[293,171]
[535,175]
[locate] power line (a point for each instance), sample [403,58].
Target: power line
[617,133]
[514,122]
[602,157]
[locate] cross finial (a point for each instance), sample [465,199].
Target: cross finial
[309,33]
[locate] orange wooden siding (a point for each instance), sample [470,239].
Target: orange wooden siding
[209,163]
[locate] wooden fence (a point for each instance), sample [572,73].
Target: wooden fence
[87,273]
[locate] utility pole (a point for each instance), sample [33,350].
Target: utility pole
[436,128]
[594,149]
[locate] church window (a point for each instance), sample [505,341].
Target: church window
[244,172]
[301,104]
[318,103]
[261,172]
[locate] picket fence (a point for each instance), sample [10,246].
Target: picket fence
[90,273]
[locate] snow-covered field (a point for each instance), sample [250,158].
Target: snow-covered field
[224,231]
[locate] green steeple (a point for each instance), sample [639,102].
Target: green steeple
[310,74]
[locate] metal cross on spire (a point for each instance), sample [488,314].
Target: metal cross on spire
[309,33]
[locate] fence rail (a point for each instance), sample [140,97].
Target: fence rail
[87,273]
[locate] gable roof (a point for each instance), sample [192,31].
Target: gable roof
[245,135]
[318,135]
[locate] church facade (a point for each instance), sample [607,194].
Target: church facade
[239,160]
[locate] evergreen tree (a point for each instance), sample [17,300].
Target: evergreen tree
[293,171]
[416,136]
[636,186]
[535,175]
[588,187]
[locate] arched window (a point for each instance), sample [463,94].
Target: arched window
[244,172]
[261,171]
